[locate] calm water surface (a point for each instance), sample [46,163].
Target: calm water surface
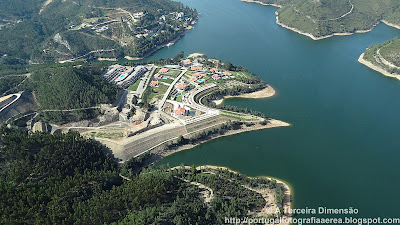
[343,147]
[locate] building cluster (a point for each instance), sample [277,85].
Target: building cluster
[124,76]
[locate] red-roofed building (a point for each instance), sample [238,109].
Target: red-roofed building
[158,76]
[164,70]
[181,86]
[198,75]
[181,112]
[227,73]
[196,68]
[215,70]
[187,63]
[154,83]
[216,77]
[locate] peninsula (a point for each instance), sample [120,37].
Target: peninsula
[324,18]
[160,107]
[383,58]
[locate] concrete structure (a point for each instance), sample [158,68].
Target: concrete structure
[41,127]
[124,76]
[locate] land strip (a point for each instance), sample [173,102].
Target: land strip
[376,68]
[316,20]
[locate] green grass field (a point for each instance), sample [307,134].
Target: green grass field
[134,86]
[173,73]
[169,81]
[157,92]
[179,98]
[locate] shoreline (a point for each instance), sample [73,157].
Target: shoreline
[149,53]
[288,189]
[322,37]
[288,192]
[376,68]
[311,35]
[390,24]
[266,92]
[262,3]
[273,123]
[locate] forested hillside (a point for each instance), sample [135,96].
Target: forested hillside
[66,179]
[67,87]
[325,17]
[64,30]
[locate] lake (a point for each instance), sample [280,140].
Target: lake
[343,147]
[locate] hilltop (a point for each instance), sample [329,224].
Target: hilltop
[324,18]
[67,30]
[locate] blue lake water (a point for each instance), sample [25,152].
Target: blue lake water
[343,147]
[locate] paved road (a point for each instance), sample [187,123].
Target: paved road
[145,81]
[162,102]
[82,56]
[16,99]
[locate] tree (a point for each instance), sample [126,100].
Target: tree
[134,100]
[228,66]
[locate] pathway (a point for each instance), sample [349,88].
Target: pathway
[162,102]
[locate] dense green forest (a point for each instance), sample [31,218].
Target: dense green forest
[32,32]
[66,179]
[325,17]
[65,87]
[7,83]
[68,87]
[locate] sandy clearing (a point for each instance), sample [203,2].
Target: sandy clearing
[45,5]
[196,54]
[390,24]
